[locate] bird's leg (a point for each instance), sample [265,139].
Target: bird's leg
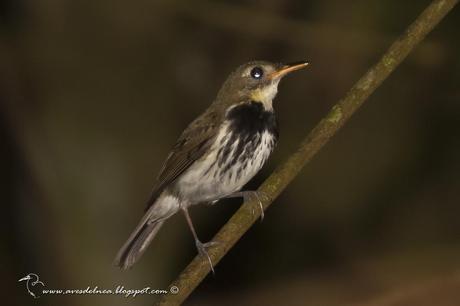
[199,245]
[249,195]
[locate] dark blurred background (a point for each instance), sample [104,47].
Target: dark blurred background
[93,94]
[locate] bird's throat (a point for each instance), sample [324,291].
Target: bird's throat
[266,94]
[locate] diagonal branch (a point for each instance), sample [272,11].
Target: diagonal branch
[242,220]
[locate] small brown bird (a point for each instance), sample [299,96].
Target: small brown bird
[216,155]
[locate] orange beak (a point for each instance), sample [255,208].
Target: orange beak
[287,69]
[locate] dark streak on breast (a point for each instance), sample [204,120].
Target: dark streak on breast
[251,118]
[248,122]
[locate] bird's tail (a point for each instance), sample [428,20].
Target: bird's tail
[163,208]
[137,243]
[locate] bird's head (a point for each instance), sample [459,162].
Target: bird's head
[255,81]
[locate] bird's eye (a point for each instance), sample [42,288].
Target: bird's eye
[257,72]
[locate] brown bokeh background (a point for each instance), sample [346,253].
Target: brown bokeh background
[94,93]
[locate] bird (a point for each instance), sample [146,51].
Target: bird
[215,156]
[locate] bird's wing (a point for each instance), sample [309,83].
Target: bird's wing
[191,145]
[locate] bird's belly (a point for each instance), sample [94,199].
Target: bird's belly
[226,169]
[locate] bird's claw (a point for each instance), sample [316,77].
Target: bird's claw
[201,247]
[254,195]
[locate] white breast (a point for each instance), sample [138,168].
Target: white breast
[206,179]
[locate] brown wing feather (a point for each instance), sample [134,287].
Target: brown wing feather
[191,145]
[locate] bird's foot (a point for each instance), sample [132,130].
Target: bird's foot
[202,250]
[252,195]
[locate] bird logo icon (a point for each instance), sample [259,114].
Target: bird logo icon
[32,280]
